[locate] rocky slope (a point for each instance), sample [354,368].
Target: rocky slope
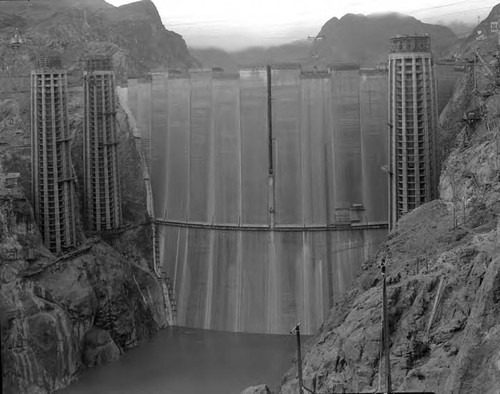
[133,34]
[444,275]
[62,314]
[482,35]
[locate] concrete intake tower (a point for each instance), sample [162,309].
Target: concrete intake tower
[101,180]
[413,116]
[52,173]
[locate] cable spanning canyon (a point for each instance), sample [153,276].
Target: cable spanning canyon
[257,230]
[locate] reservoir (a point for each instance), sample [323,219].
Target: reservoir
[189,361]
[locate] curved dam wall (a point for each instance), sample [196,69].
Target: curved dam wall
[209,169]
[261,281]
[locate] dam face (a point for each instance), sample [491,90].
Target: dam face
[208,151]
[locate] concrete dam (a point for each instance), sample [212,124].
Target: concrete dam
[250,252]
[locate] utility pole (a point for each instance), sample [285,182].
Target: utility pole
[302,387]
[385,329]
[299,357]
[270,148]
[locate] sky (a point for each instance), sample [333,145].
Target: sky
[233,24]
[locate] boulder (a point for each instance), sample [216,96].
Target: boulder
[260,389]
[99,348]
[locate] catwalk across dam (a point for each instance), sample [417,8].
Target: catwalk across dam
[206,138]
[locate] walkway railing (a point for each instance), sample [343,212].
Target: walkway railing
[277,227]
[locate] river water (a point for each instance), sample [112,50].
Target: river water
[190,361]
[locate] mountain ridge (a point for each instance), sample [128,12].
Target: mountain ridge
[133,34]
[338,40]
[365,39]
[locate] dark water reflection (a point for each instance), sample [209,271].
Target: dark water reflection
[188,361]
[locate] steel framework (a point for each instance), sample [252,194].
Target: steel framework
[412,125]
[52,172]
[102,193]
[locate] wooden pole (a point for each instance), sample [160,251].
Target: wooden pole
[299,358]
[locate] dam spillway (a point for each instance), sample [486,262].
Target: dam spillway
[206,138]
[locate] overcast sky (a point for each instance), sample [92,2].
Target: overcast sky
[233,24]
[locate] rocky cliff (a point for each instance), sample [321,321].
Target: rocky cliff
[64,313]
[133,34]
[444,271]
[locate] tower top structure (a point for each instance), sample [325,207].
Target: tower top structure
[99,63]
[402,44]
[49,62]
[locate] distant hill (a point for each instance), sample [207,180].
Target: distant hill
[365,39]
[352,38]
[215,57]
[294,52]
[133,34]
[482,38]
[460,28]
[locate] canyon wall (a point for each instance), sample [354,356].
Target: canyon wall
[63,313]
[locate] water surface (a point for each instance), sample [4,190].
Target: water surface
[190,361]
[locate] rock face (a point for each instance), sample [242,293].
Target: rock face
[62,314]
[261,389]
[133,34]
[78,310]
[99,348]
[442,299]
[444,276]
[82,308]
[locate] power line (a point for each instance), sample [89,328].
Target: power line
[281,28]
[443,6]
[294,23]
[455,13]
